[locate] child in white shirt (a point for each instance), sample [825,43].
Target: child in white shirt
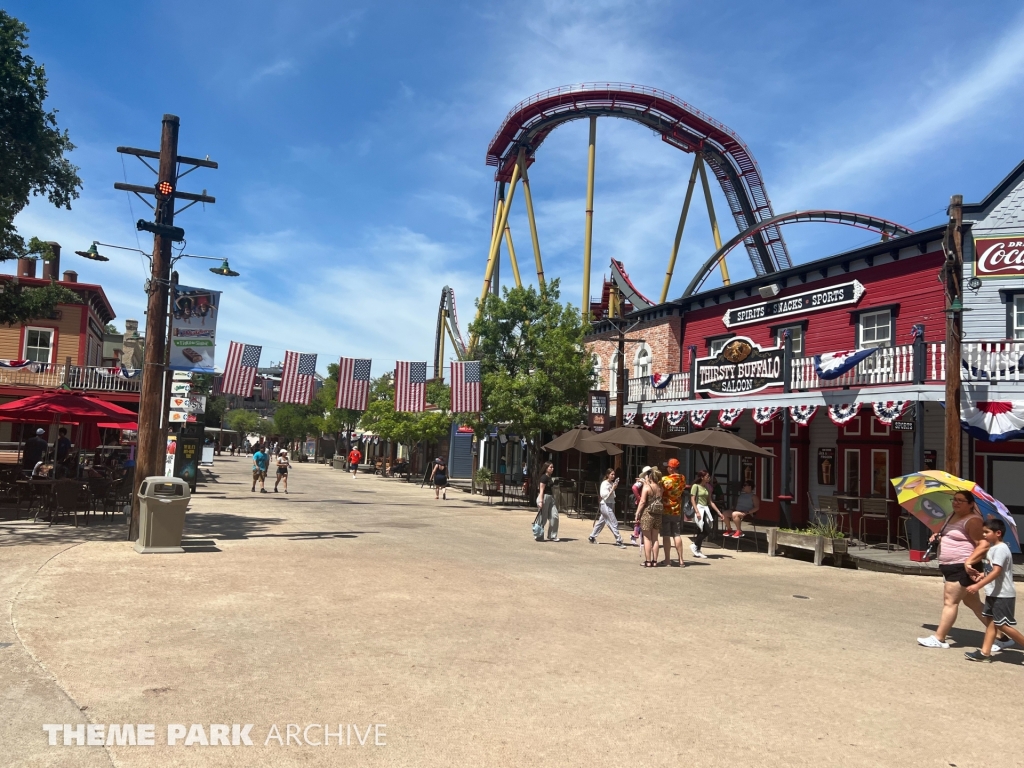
[1000,593]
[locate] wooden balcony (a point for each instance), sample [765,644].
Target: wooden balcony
[87,378]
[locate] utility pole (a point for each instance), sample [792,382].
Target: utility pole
[152,441]
[954,268]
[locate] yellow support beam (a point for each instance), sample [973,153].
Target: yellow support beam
[528,197]
[512,256]
[679,229]
[714,221]
[588,234]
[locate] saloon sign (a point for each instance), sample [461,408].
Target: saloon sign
[741,367]
[801,303]
[999,256]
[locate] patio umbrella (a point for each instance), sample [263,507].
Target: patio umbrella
[629,435]
[578,439]
[928,496]
[64,405]
[718,441]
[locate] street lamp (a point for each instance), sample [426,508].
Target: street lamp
[94,255]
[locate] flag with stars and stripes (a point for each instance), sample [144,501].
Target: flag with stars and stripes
[353,383]
[240,370]
[410,387]
[466,387]
[267,388]
[297,378]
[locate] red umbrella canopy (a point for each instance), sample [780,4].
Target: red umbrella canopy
[66,405]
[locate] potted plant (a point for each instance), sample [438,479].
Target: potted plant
[484,480]
[822,538]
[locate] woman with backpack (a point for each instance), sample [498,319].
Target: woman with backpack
[648,514]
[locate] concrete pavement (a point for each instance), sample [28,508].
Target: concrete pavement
[362,602]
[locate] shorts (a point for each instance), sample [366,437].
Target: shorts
[1000,610]
[282,471]
[649,522]
[258,474]
[671,525]
[956,572]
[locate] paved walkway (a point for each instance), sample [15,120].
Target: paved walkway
[365,601]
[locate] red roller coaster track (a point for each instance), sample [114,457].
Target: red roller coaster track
[678,123]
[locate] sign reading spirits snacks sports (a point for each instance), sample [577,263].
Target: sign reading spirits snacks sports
[801,303]
[999,256]
[193,328]
[741,367]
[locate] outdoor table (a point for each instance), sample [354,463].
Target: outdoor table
[41,486]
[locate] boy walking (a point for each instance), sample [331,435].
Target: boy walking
[1000,594]
[354,457]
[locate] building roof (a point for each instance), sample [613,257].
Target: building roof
[93,294]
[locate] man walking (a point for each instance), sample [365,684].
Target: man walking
[354,457]
[260,464]
[674,486]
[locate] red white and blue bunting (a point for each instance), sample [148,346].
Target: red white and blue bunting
[843,413]
[727,416]
[120,372]
[19,365]
[628,417]
[675,418]
[888,412]
[765,414]
[802,414]
[832,365]
[660,380]
[697,418]
[651,418]
[994,421]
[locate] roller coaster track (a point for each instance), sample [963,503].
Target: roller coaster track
[678,123]
[447,321]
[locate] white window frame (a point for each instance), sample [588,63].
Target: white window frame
[885,475]
[867,344]
[1018,316]
[767,477]
[639,371]
[613,376]
[847,454]
[717,345]
[29,329]
[796,332]
[596,359]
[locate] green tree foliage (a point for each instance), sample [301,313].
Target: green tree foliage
[381,418]
[244,422]
[32,147]
[18,303]
[536,370]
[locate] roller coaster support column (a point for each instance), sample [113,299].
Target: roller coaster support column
[588,235]
[528,197]
[512,256]
[714,221]
[679,229]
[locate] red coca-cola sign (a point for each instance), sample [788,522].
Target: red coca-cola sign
[999,256]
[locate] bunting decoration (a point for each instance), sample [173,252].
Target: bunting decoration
[628,417]
[765,414]
[888,412]
[651,418]
[832,365]
[727,416]
[22,364]
[660,380]
[697,418]
[802,414]
[675,418]
[993,420]
[120,371]
[843,413]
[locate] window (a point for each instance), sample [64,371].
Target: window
[613,377]
[642,362]
[766,478]
[1018,317]
[38,344]
[597,371]
[880,473]
[875,329]
[851,474]
[717,345]
[796,333]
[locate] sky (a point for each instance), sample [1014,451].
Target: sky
[351,140]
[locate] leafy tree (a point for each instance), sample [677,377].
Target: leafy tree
[215,407]
[32,147]
[536,370]
[292,421]
[18,303]
[244,422]
[381,418]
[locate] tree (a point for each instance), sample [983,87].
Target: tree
[382,419]
[536,370]
[32,147]
[244,422]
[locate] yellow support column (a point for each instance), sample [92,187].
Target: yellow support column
[512,256]
[588,234]
[533,222]
[714,221]
[679,229]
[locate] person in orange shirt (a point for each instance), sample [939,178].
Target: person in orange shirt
[354,457]
[674,486]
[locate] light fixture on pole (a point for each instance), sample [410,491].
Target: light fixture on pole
[224,269]
[92,254]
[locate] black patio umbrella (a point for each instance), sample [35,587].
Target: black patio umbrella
[631,434]
[718,441]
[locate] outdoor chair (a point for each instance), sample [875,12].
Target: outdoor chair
[751,522]
[829,507]
[66,495]
[874,510]
[590,500]
[903,529]
[101,493]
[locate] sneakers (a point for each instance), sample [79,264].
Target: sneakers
[618,544]
[978,656]
[1001,645]
[697,553]
[591,539]
[554,538]
[263,490]
[738,535]
[931,642]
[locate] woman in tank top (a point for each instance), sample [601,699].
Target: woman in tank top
[648,514]
[961,546]
[746,504]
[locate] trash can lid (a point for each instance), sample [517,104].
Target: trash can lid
[153,487]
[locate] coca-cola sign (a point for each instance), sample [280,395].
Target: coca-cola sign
[999,256]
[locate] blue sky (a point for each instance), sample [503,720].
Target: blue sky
[351,140]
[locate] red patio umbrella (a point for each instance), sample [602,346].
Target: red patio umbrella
[65,405]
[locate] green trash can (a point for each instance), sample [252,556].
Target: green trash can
[162,505]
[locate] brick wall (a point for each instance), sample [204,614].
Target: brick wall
[661,337]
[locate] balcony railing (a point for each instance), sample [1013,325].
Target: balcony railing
[89,378]
[994,361]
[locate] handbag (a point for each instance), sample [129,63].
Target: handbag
[931,551]
[688,510]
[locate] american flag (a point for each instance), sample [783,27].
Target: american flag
[217,386]
[267,389]
[410,387]
[240,370]
[353,383]
[297,378]
[466,387]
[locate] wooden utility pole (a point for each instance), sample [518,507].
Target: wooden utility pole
[954,268]
[149,460]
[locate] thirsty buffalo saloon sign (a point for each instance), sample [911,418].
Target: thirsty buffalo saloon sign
[999,256]
[799,304]
[741,367]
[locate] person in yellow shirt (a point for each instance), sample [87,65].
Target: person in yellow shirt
[674,486]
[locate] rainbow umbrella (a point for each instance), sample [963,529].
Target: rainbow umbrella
[928,496]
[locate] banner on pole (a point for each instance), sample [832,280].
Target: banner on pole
[193,328]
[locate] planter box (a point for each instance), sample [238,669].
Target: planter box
[819,545]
